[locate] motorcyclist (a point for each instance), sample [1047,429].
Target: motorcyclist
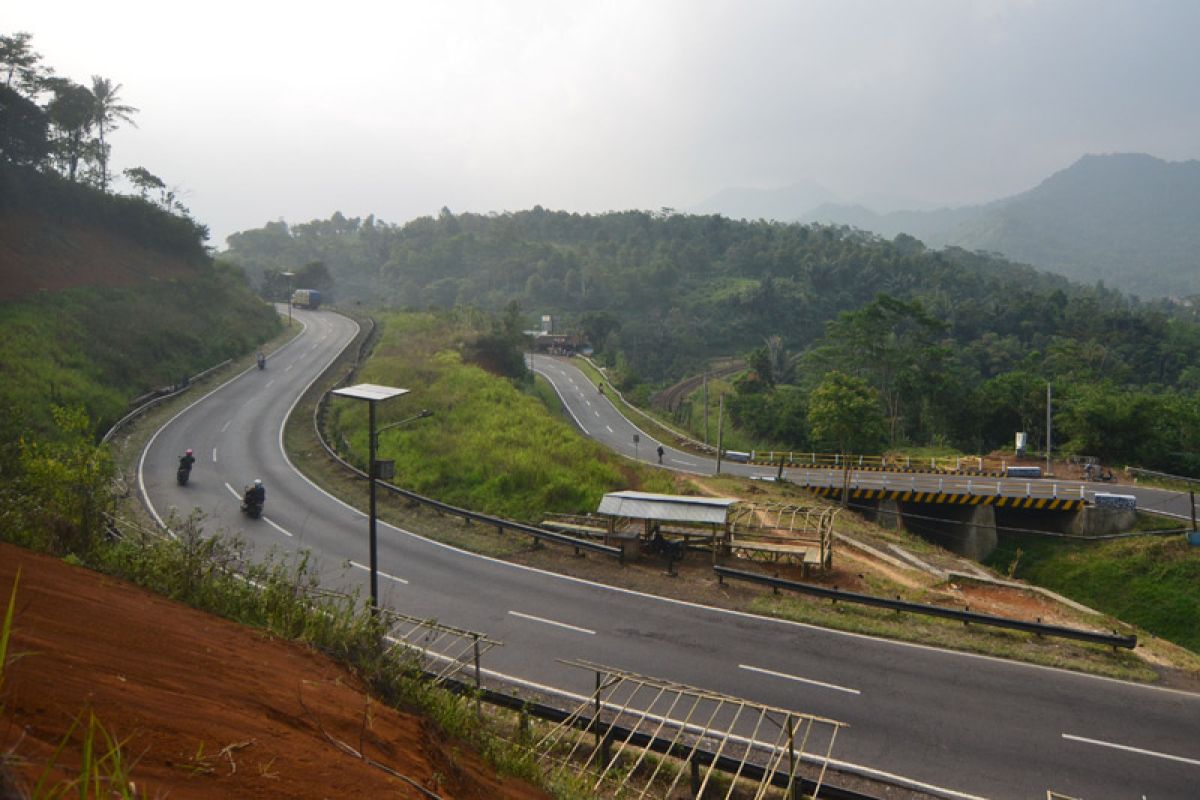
[256,495]
[185,468]
[261,359]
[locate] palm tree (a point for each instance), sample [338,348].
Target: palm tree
[108,111]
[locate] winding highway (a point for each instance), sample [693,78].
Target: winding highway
[955,725]
[599,419]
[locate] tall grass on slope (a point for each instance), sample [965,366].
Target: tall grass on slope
[489,446]
[1152,582]
[100,347]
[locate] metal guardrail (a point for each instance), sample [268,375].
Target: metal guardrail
[1163,475]
[159,397]
[1041,629]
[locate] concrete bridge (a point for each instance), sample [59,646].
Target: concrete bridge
[964,513]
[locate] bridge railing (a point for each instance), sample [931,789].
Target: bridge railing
[944,484]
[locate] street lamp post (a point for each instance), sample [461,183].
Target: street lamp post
[373,394]
[289,276]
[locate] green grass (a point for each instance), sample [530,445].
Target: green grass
[1152,582]
[953,635]
[100,347]
[489,446]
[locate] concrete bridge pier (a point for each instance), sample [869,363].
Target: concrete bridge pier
[963,529]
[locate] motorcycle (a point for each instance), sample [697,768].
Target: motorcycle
[182,474]
[252,509]
[262,361]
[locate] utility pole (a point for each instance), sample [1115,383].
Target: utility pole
[720,420]
[706,406]
[1048,420]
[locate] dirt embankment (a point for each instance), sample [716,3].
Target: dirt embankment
[205,708]
[39,255]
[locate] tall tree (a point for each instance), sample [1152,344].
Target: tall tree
[20,63]
[71,114]
[23,129]
[108,111]
[843,411]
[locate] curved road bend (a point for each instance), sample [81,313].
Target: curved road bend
[967,725]
[598,418]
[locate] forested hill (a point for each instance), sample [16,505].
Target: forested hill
[1130,220]
[682,288]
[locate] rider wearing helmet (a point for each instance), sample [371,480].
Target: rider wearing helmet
[186,460]
[256,494]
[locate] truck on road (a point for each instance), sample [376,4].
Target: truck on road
[306,298]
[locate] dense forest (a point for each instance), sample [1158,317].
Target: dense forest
[955,347]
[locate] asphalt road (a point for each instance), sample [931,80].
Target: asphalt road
[598,418]
[965,726]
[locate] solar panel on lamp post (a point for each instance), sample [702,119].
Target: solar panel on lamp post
[372,393]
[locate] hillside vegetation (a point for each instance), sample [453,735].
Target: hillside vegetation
[106,299]
[490,447]
[952,348]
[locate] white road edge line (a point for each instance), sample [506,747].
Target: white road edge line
[1193,761]
[365,568]
[798,679]
[552,622]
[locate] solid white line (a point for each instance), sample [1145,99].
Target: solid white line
[225,427]
[279,528]
[1138,750]
[552,622]
[797,678]
[214,455]
[365,568]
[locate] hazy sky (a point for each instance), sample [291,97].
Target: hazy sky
[260,110]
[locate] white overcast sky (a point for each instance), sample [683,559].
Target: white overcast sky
[260,111]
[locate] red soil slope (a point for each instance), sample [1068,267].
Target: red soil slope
[37,255]
[206,708]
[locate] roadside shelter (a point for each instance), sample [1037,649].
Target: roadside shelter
[636,517]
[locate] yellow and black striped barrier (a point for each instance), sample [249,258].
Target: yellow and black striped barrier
[956,498]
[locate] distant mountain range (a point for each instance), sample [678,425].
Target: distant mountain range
[1130,220]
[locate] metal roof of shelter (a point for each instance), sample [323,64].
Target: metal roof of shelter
[666,507]
[370,391]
